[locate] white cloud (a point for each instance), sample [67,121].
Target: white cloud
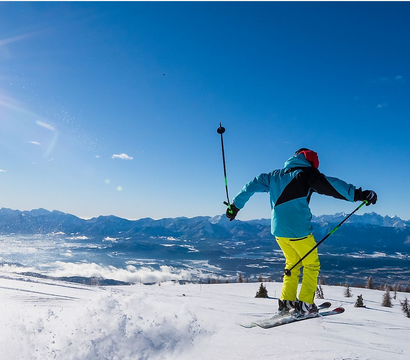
[1,170]
[383,105]
[35,143]
[129,274]
[122,157]
[45,125]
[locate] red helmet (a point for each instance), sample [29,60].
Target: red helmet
[310,156]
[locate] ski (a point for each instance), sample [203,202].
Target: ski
[291,319]
[278,317]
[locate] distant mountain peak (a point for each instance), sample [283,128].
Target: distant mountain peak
[45,221]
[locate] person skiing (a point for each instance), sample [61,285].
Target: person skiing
[290,190]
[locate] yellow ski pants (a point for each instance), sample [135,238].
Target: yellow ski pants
[294,250]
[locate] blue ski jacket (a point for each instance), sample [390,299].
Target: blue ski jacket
[290,190]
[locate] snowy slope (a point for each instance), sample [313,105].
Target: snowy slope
[44,319]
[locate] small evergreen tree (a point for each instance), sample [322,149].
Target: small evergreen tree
[348,293]
[359,302]
[319,292]
[94,281]
[260,279]
[322,281]
[262,292]
[405,307]
[369,283]
[240,278]
[386,297]
[395,288]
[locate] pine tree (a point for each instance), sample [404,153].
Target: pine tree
[262,292]
[348,293]
[395,288]
[386,297]
[405,307]
[369,283]
[94,281]
[240,278]
[359,302]
[319,292]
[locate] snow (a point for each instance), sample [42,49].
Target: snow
[46,319]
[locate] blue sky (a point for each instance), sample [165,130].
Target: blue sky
[112,108]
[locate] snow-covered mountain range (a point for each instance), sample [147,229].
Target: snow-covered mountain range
[365,245]
[368,232]
[44,221]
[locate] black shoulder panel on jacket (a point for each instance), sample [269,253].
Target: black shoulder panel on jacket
[307,180]
[319,183]
[297,188]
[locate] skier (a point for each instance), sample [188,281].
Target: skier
[290,190]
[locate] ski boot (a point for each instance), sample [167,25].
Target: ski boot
[303,309]
[286,307]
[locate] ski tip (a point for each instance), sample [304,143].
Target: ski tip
[248,326]
[339,310]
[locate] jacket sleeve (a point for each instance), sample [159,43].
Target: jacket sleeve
[330,186]
[260,183]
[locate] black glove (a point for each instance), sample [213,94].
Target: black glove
[231,213]
[369,195]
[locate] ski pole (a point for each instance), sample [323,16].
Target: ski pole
[288,272]
[221,130]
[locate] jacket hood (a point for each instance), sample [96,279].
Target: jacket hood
[297,161]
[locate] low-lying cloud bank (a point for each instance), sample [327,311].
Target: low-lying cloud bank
[131,274]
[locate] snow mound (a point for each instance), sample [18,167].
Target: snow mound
[109,325]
